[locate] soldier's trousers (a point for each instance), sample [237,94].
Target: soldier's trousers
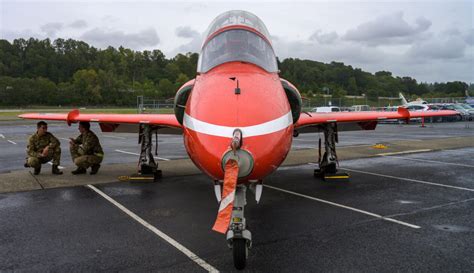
[54,155]
[83,161]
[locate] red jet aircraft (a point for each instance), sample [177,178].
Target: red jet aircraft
[238,119]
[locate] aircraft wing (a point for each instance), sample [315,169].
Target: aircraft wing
[365,120]
[113,122]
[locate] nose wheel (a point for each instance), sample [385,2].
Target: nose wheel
[240,252]
[239,238]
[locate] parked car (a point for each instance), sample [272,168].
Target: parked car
[463,113]
[326,109]
[418,107]
[469,109]
[359,108]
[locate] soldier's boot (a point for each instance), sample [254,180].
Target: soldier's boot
[95,168]
[37,170]
[79,170]
[55,170]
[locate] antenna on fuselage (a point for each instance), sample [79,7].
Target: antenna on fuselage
[237,89]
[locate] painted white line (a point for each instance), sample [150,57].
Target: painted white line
[117,137]
[410,180]
[63,138]
[2,136]
[59,167]
[432,161]
[125,152]
[407,152]
[12,142]
[303,146]
[346,207]
[130,153]
[158,232]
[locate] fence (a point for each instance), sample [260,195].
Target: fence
[149,105]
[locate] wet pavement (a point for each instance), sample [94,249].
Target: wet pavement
[301,223]
[124,147]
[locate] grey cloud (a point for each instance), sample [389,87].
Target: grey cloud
[25,34]
[346,52]
[103,38]
[324,38]
[422,24]
[391,29]
[439,48]
[469,37]
[436,60]
[192,46]
[51,28]
[109,19]
[78,24]
[451,32]
[186,32]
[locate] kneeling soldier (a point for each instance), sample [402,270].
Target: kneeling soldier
[43,147]
[86,150]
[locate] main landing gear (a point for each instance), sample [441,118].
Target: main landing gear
[147,167]
[328,162]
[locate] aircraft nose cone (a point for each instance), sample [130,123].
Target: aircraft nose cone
[244,160]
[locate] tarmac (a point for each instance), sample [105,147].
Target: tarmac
[408,207]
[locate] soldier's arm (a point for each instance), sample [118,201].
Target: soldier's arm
[53,142]
[89,144]
[78,140]
[30,149]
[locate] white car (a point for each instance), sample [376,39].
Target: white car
[418,107]
[326,109]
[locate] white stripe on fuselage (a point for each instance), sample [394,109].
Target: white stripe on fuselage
[248,131]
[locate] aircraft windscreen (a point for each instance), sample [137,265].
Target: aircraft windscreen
[237,17]
[237,45]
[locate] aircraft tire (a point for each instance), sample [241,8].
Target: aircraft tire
[240,250]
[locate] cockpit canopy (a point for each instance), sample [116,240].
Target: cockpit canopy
[245,40]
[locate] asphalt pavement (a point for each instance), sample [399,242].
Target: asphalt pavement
[404,212]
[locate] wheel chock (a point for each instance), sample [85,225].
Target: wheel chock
[142,178]
[336,177]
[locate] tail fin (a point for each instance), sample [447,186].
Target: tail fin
[402,98]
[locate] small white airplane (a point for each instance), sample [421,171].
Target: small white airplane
[418,101]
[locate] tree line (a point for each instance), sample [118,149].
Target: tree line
[73,73]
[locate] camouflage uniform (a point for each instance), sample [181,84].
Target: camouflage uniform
[35,147]
[87,151]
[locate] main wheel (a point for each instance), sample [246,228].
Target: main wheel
[240,251]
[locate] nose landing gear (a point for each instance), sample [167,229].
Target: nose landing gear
[239,238]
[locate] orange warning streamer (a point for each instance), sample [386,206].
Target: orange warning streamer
[231,174]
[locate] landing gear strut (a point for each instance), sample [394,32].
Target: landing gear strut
[147,167]
[239,238]
[328,162]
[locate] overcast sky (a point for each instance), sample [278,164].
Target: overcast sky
[430,41]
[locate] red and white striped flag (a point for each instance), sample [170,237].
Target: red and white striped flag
[231,174]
